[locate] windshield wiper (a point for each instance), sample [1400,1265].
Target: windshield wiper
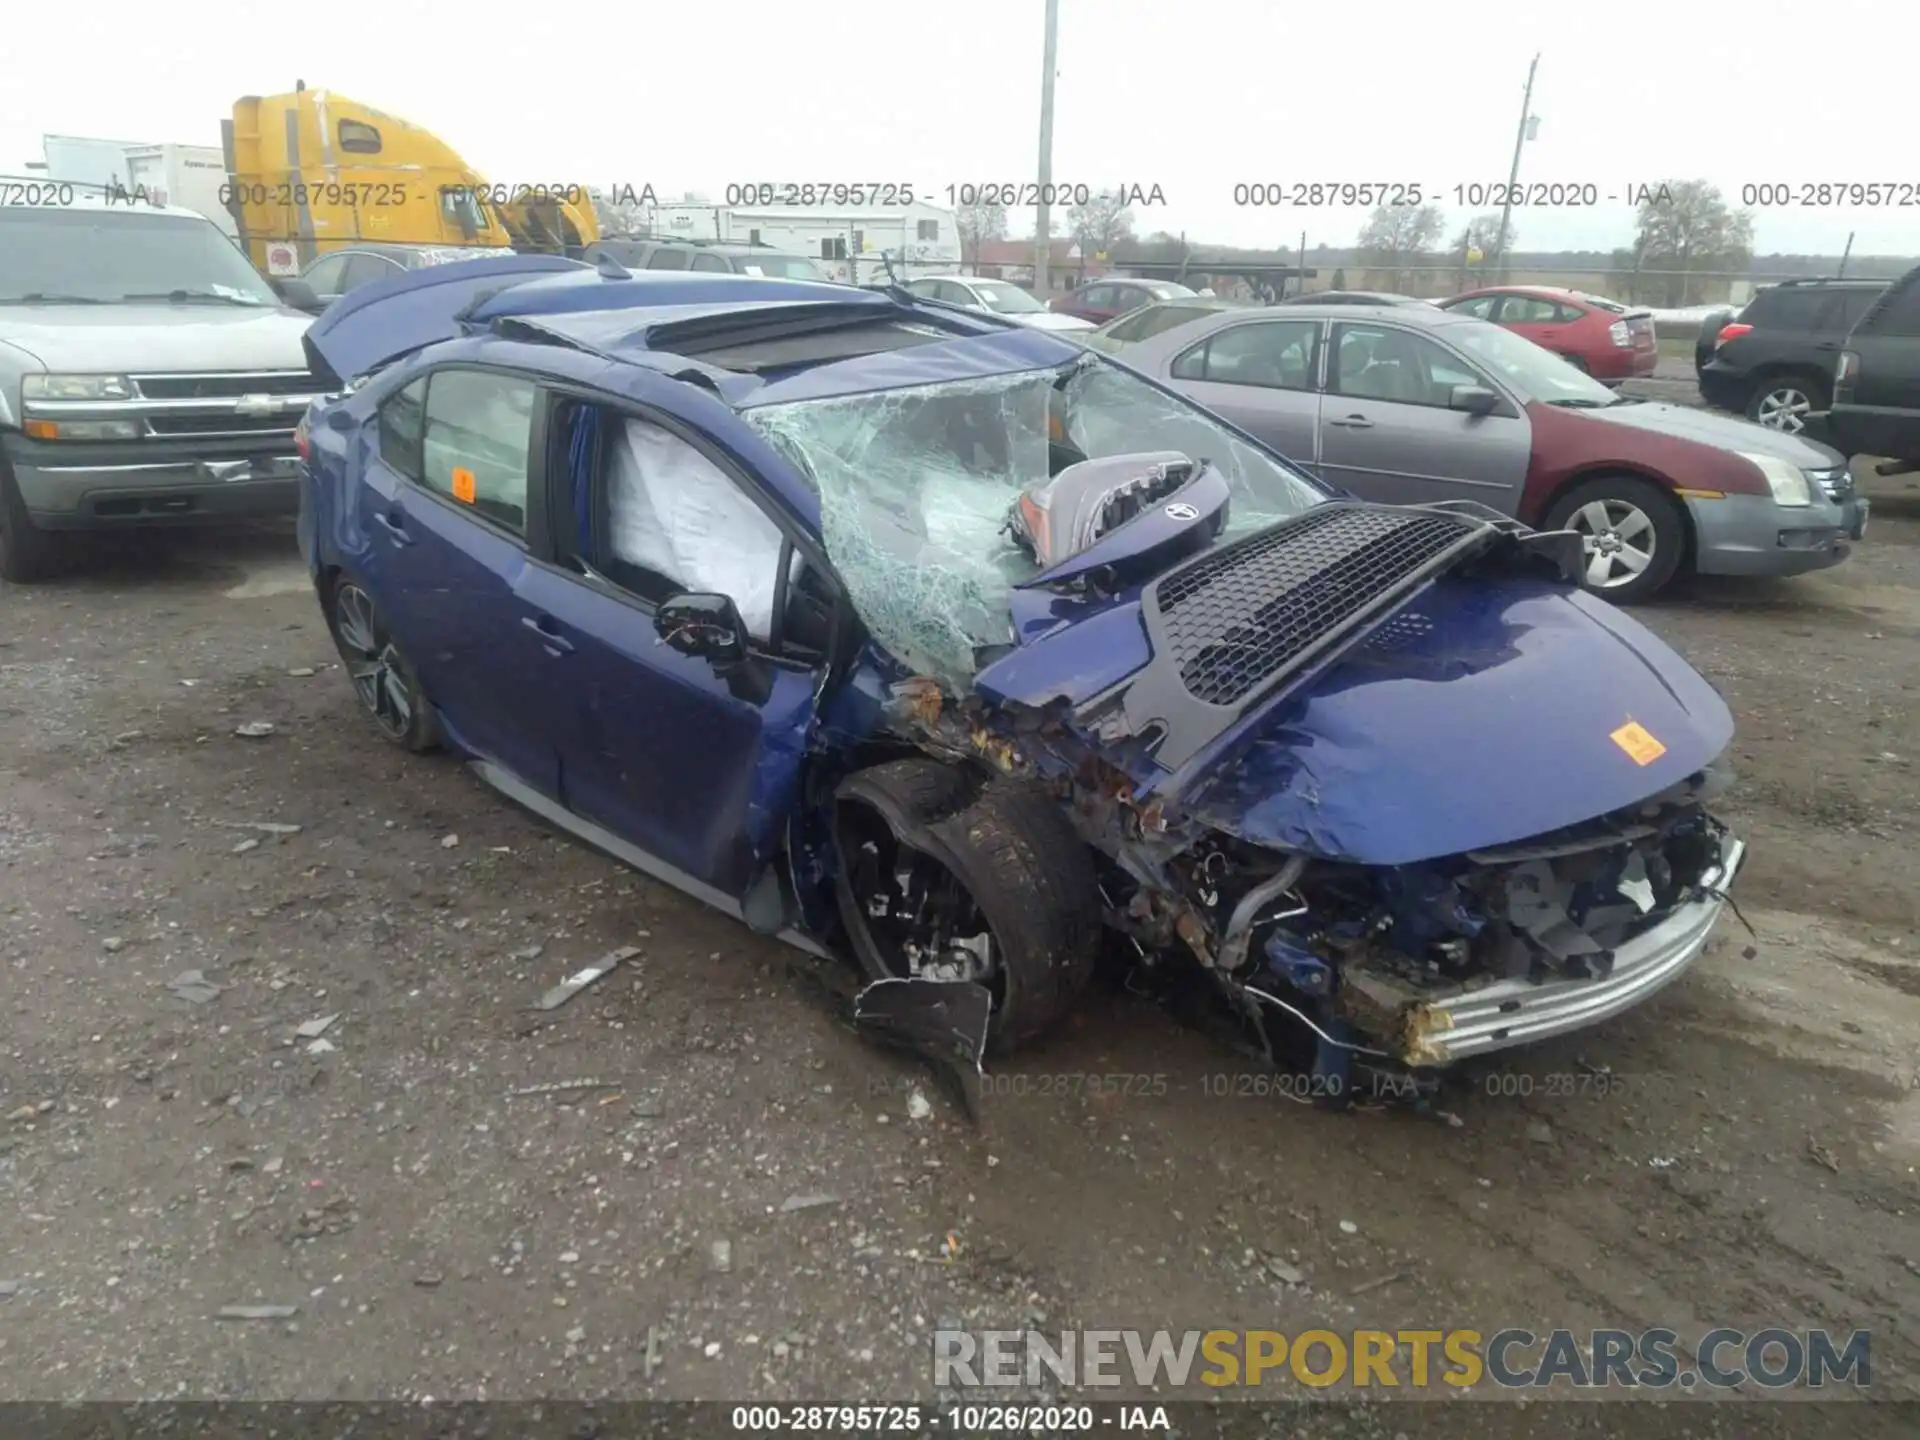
[49,297]
[181,296]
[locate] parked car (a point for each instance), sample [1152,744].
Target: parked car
[738,605]
[1352,297]
[704,258]
[1774,362]
[338,271]
[1410,405]
[147,376]
[1099,301]
[997,297]
[1610,341]
[1150,320]
[1876,397]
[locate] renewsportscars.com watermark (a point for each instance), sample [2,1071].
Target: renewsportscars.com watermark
[1720,1359]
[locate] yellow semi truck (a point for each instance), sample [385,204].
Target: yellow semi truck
[312,171]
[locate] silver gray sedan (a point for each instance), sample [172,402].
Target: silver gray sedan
[1408,405]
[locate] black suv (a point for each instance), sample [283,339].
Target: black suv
[1876,393]
[702,255]
[1774,363]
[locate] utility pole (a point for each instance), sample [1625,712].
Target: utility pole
[1513,174]
[1846,254]
[1043,240]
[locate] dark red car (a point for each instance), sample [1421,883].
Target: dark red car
[1106,299]
[1610,341]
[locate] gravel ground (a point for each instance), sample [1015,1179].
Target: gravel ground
[755,1203]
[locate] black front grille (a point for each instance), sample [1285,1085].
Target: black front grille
[223,387]
[227,424]
[1235,618]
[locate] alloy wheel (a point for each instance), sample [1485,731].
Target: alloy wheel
[379,676]
[917,911]
[1619,538]
[1785,409]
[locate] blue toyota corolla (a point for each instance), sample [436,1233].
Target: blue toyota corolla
[948,646]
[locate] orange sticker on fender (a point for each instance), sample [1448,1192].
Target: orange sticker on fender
[1638,742]
[463,491]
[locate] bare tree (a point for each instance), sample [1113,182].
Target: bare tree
[1683,225]
[1395,235]
[977,223]
[1100,224]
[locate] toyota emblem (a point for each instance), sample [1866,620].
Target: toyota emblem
[1180,510]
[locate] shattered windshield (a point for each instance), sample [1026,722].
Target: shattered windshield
[915,486]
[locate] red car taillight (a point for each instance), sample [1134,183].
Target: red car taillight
[300,441]
[1731,332]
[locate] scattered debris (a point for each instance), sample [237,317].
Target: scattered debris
[581,979]
[300,672]
[239,1164]
[193,987]
[314,1029]
[8,1289]
[1347,1227]
[651,1359]
[113,944]
[530,952]
[1820,1155]
[265,827]
[918,1106]
[245,845]
[561,1087]
[1540,1132]
[806,1202]
[1283,1272]
[722,1252]
[272,1167]
[254,730]
[25,1112]
[1660,1162]
[322,1047]
[447,842]
[429,1280]
[1370,1286]
[257,1312]
[125,738]
[712,1349]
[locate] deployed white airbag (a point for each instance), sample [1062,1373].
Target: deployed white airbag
[676,513]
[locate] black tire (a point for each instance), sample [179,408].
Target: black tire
[1783,402]
[1618,495]
[383,678]
[1017,859]
[27,553]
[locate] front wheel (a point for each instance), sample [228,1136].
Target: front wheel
[995,888]
[27,553]
[1632,532]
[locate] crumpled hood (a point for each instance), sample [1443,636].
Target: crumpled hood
[1485,712]
[1723,432]
[113,339]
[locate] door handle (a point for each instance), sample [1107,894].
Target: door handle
[389,521]
[1353,422]
[556,643]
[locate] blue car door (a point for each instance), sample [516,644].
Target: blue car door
[698,773]
[448,503]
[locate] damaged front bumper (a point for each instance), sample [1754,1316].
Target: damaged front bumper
[1512,1012]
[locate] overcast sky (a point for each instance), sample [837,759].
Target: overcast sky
[1193,97]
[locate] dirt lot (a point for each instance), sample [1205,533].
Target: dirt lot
[164,1155]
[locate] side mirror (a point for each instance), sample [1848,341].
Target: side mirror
[705,626]
[1474,399]
[299,294]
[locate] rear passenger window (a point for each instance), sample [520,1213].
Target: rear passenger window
[1791,309]
[400,429]
[667,260]
[711,262]
[1902,315]
[1481,307]
[1528,310]
[475,441]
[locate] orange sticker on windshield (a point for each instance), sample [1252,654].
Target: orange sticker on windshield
[463,489]
[1638,742]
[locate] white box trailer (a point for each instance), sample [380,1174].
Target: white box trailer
[168,174]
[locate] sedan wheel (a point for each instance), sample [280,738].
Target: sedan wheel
[382,678]
[1633,534]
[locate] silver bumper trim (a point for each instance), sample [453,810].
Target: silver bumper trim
[1516,1012]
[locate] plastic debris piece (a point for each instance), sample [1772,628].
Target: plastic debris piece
[447,842]
[807,1202]
[265,827]
[581,979]
[314,1029]
[257,1312]
[561,1087]
[254,729]
[193,987]
[918,1106]
[322,1047]
[244,846]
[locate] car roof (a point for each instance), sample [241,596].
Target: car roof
[98,205]
[1426,317]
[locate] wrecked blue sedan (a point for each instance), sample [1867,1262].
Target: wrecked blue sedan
[952,648]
